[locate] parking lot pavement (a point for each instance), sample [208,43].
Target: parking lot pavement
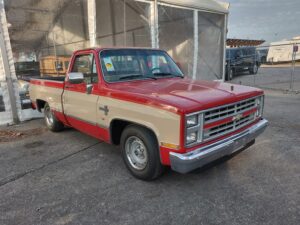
[271,77]
[70,178]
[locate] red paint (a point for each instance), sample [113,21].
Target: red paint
[61,117]
[92,130]
[33,105]
[228,119]
[82,87]
[180,96]
[48,83]
[165,155]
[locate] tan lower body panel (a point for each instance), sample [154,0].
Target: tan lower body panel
[165,124]
[89,108]
[48,94]
[81,105]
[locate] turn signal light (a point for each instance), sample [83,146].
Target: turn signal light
[171,146]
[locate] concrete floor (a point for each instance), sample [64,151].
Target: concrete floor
[70,178]
[271,77]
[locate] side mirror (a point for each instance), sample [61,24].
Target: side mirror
[75,78]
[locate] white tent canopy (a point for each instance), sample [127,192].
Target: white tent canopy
[193,32]
[205,5]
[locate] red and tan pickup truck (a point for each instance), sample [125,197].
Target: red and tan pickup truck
[139,99]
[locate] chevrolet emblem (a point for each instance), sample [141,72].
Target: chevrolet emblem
[237,117]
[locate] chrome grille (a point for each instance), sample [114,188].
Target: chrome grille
[227,127]
[228,111]
[215,122]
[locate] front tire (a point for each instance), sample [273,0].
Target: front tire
[140,152]
[231,74]
[254,69]
[51,122]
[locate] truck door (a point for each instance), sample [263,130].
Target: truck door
[80,106]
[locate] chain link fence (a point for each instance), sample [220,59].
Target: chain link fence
[278,67]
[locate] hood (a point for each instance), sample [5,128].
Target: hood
[184,94]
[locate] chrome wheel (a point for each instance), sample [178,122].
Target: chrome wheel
[136,153]
[49,117]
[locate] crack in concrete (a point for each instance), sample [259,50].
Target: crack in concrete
[20,175]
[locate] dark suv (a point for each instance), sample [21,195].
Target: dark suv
[240,60]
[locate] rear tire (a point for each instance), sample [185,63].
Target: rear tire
[52,123]
[140,152]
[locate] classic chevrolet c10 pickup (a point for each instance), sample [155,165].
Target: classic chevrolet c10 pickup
[139,99]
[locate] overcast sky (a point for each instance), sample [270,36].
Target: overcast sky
[271,20]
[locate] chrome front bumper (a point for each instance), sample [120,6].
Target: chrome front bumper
[184,163]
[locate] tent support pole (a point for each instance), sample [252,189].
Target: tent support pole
[5,53]
[92,22]
[154,24]
[224,47]
[196,44]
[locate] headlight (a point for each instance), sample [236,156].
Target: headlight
[191,138]
[258,101]
[260,106]
[193,129]
[192,121]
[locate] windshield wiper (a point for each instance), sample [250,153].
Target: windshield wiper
[136,76]
[162,74]
[167,74]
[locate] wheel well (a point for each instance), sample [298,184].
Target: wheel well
[117,127]
[40,104]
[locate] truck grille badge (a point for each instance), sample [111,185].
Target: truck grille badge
[237,117]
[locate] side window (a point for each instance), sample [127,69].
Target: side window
[86,64]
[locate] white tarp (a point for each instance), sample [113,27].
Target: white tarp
[193,32]
[204,5]
[7,73]
[194,38]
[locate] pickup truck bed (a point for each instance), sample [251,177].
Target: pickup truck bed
[50,78]
[48,90]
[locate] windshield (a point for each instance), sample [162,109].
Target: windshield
[137,64]
[232,53]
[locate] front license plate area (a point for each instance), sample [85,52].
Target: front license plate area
[239,144]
